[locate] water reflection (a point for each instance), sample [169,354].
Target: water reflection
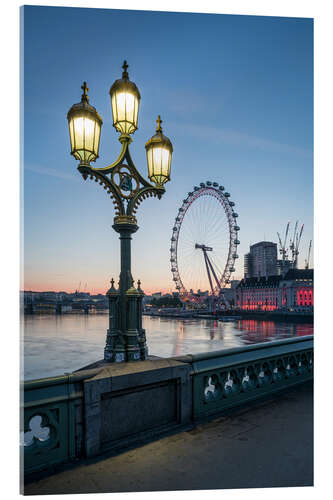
[255,331]
[57,344]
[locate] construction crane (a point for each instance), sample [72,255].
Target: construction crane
[307,261]
[78,288]
[293,245]
[298,239]
[283,249]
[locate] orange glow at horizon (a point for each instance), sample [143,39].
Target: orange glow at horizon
[44,287]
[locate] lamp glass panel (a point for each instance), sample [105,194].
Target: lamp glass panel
[78,132]
[136,111]
[89,132]
[161,161]
[97,136]
[150,162]
[71,134]
[129,106]
[121,106]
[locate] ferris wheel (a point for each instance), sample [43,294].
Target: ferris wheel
[204,242]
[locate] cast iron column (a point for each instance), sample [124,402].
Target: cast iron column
[125,339]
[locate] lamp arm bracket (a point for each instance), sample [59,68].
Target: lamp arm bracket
[108,185]
[124,154]
[142,189]
[109,168]
[135,171]
[142,194]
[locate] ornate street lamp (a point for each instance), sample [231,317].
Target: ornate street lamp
[126,339]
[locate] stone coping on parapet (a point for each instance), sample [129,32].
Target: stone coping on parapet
[119,369]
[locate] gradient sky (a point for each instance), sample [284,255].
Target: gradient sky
[236,97]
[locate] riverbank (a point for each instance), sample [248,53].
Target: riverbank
[284,316]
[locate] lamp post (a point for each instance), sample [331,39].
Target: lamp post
[125,340]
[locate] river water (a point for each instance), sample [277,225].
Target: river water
[53,345]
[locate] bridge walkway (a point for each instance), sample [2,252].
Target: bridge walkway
[267,445]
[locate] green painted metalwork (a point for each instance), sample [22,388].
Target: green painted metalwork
[49,420]
[230,378]
[127,189]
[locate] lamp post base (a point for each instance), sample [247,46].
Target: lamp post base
[114,355]
[125,339]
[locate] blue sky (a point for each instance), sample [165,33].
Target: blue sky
[235,96]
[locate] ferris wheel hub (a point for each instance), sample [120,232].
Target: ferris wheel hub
[204,248]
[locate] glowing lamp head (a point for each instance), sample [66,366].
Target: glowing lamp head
[125,99]
[159,152]
[84,129]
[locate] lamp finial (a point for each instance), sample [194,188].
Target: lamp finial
[125,66]
[159,121]
[84,97]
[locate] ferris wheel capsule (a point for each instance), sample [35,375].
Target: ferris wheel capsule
[227,195]
[232,203]
[234,215]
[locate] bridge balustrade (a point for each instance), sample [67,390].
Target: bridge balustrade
[52,420]
[55,427]
[223,380]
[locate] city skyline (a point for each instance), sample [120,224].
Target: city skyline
[242,94]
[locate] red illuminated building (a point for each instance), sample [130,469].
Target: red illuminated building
[293,291]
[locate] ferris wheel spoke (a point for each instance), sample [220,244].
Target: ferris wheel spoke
[216,224]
